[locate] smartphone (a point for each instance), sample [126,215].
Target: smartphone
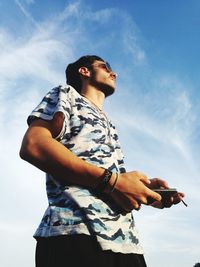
[165,193]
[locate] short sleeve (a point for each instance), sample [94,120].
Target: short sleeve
[56,100]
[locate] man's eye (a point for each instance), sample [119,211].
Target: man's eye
[105,67]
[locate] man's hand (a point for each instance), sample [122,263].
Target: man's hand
[166,202]
[132,190]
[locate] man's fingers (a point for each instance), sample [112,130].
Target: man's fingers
[158,183]
[177,198]
[181,195]
[173,200]
[126,204]
[154,195]
[143,178]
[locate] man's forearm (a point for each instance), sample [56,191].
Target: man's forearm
[52,157]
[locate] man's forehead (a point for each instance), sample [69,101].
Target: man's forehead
[99,61]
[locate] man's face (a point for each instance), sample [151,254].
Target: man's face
[103,77]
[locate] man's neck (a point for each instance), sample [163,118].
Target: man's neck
[94,95]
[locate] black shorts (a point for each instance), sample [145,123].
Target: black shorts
[81,250]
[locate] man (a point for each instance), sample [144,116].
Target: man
[88,221]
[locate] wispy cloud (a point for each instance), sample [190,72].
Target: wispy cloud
[164,112]
[101,16]
[26,13]
[30,1]
[131,41]
[73,9]
[154,111]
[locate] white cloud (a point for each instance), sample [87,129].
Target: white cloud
[30,1]
[33,57]
[132,47]
[26,13]
[73,9]
[132,41]
[102,16]
[156,125]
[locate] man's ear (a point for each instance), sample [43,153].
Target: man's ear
[84,71]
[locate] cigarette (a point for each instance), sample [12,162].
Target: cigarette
[184,202]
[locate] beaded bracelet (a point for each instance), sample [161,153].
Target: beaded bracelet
[105,180]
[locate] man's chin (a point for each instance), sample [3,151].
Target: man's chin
[107,90]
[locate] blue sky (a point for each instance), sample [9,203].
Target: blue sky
[154,47]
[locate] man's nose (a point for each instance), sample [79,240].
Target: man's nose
[113,74]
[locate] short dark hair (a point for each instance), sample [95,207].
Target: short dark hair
[72,74]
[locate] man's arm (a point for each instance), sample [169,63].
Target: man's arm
[40,148]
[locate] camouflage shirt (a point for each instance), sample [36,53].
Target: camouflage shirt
[89,134]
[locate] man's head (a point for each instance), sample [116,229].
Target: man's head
[90,64]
